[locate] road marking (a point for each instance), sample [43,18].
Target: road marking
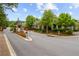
[11,50]
[29,38]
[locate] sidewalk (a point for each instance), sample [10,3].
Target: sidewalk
[4,51]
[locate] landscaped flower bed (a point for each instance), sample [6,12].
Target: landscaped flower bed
[21,33]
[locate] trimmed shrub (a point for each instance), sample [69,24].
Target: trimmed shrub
[55,30]
[39,30]
[69,32]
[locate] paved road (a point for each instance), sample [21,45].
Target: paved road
[42,45]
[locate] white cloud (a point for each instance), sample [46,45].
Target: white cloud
[65,12]
[76,5]
[45,6]
[57,14]
[39,17]
[30,4]
[40,5]
[70,7]
[25,10]
[14,9]
[41,11]
[51,6]
[70,13]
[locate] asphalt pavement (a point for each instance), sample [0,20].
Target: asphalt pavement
[42,45]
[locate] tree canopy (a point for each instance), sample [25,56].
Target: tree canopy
[48,19]
[66,20]
[30,21]
[3,15]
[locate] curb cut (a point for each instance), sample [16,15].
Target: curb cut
[11,50]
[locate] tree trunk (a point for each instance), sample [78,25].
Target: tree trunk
[1,28]
[47,29]
[58,30]
[52,27]
[42,27]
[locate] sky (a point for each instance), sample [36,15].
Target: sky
[37,9]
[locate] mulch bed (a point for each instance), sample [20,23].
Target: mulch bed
[21,34]
[61,34]
[3,46]
[55,33]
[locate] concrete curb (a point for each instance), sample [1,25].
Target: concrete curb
[11,50]
[52,35]
[29,38]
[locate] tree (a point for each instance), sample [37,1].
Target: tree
[47,19]
[3,20]
[76,25]
[3,15]
[65,21]
[30,21]
[9,5]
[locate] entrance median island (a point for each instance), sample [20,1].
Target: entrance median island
[19,29]
[24,35]
[21,33]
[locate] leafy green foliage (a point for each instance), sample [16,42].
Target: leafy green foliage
[65,20]
[3,16]
[48,19]
[30,21]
